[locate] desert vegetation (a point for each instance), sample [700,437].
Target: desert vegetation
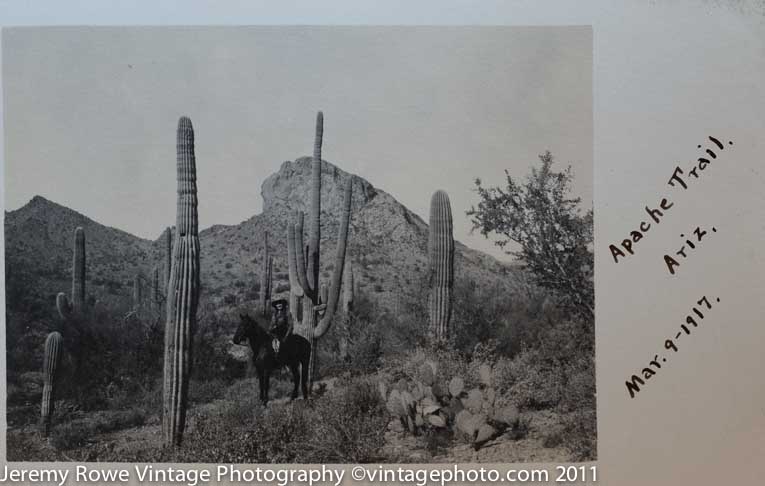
[428,364]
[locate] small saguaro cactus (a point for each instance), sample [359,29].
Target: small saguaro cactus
[156,295]
[296,291]
[348,296]
[77,305]
[137,292]
[168,256]
[441,265]
[266,278]
[183,292]
[314,325]
[348,289]
[51,360]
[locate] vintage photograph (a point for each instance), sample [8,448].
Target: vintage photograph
[299,244]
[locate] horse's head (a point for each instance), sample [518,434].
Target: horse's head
[249,328]
[243,332]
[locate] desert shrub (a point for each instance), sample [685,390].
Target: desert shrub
[346,425]
[558,371]
[375,332]
[351,426]
[75,433]
[203,391]
[579,435]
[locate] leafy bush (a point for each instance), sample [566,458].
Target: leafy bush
[555,238]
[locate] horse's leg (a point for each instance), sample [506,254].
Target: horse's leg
[295,379]
[262,380]
[304,374]
[266,384]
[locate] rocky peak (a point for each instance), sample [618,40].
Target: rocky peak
[290,188]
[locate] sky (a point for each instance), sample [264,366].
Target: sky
[90,113]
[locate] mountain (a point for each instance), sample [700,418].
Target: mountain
[38,255]
[387,246]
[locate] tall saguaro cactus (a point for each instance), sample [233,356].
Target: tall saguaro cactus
[314,325]
[51,360]
[183,292]
[77,304]
[441,259]
[266,277]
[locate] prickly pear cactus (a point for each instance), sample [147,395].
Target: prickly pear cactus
[52,358]
[427,403]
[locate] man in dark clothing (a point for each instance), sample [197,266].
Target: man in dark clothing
[281,323]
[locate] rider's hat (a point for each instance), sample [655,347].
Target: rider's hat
[279,301]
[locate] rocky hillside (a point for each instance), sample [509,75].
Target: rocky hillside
[387,246]
[38,256]
[387,242]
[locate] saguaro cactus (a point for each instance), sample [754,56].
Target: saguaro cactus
[314,326]
[441,271]
[296,291]
[348,289]
[266,277]
[77,304]
[348,297]
[51,360]
[183,292]
[156,295]
[137,292]
[168,256]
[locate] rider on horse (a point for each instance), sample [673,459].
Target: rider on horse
[281,324]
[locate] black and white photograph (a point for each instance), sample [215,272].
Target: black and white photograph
[299,245]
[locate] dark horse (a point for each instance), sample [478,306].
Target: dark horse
[294,352]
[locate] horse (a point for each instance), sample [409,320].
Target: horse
[294,352]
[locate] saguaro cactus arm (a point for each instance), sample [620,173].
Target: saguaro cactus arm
[292,259]
[302,274]
[183,292]
[63,306]
[337,273]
